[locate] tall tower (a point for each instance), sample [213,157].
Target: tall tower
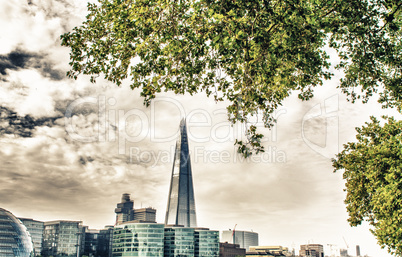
[181,205]
[124,211]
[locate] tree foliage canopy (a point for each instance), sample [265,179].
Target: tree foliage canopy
[251,53]
[373,174]
[254,54]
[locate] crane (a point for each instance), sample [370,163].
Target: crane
[233,234]
[347,246]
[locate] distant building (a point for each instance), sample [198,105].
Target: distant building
[145,214]
[357,250]
[244,238]
[89,242]
[231,250]
[125,211]
[15,240]
[104,245]
[311,250]
[270,250]
[206,243]
[62,238]
[138,239]
[343,252]
[35,229]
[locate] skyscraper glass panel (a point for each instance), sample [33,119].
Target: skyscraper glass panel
[181,203]
[15,241]
[138,239]
[179,242]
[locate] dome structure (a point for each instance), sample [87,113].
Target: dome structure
[15,240]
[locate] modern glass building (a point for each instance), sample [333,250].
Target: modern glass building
[35,229]
[62,238]
[181,204]
[179,242]
[138,239]
[15,240]
[244,238]
[206,243]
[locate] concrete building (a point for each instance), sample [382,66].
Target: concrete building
[231,250]
[244,238]
[62,238]
[145,214]
[180,209]
[311,250]
[15,240]
[125,211]
[35,229]
[357,250]
[273,250]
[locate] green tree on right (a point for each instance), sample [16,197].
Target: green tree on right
[373,173]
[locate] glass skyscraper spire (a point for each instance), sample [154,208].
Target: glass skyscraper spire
[181,204]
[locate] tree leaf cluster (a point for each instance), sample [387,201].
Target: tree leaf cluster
[252,54]
[373,173]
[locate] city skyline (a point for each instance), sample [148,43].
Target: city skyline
[70,149]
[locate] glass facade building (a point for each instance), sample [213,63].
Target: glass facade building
[15,240]
[62,238]
[181,204]
[206,243]
[244,238]
[138,239]
[35,229]
[179,242]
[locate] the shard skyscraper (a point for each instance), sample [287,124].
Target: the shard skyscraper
[181,205]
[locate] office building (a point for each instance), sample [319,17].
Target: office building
[62,238]
[138,239]
[35,229]
[125,212]
[311,250]
[206,243]
[89,242]
[104,246]
[145,214]
[357,250]
[181,204]
[231,250]
[179,241]
[15,240]
[244,238]
[271,250]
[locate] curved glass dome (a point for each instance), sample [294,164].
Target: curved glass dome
[15,240]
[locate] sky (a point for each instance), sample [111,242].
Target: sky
[70,148]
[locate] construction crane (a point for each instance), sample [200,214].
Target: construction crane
[345,242]
[233,234]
